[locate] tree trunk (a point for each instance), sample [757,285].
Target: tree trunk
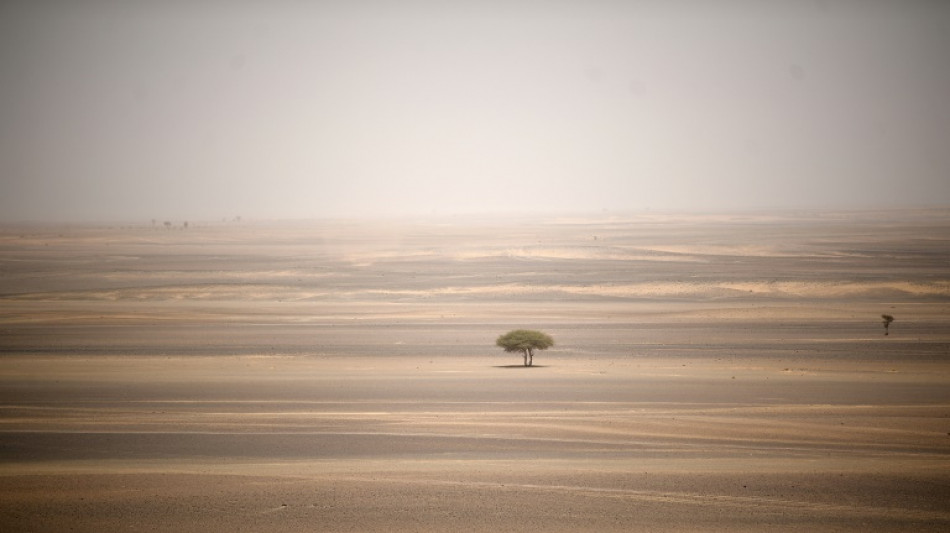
[525,357]
[530,357]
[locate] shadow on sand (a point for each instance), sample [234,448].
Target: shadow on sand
[520,366]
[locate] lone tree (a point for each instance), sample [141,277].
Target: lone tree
[887,322]
[525,341]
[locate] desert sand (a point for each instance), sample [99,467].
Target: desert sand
[711,373]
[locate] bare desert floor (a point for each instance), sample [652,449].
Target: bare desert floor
[711,373]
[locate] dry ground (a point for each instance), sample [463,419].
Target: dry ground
[711,373]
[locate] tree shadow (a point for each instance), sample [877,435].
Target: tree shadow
[520,366]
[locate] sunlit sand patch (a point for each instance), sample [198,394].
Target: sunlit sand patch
[219,275]
[838,289]
[264,292]
[372,257]
[744,250]
[198,292]
[576,253]
[673,289]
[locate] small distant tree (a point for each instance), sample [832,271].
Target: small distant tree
[525,341]
[887,322]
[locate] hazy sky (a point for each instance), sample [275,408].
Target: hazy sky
[200,109]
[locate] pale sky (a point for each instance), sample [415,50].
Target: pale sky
[133,110]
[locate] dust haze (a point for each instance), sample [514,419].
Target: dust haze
[255,256]
[206,110]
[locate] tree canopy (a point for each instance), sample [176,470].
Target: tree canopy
[525,341]
[887,322]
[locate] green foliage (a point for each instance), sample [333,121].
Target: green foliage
[524,340]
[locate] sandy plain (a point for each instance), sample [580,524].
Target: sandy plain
[711,373]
